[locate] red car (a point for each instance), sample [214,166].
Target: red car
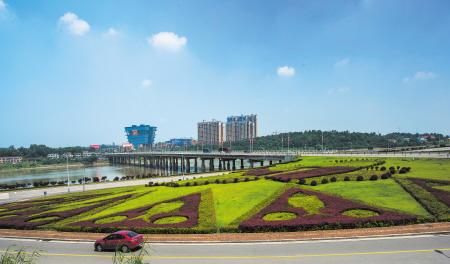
[123,240]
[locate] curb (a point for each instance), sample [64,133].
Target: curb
[240,241]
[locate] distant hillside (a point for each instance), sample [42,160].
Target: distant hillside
[312,140]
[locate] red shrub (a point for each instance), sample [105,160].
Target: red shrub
[314,172]
[260,172]
[330,215]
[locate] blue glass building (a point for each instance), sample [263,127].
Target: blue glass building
[180,142]
[141,136]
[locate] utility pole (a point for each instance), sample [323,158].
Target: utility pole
[288,142]
[322,141]
[68,175]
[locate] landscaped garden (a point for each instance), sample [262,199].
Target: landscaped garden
[307,194]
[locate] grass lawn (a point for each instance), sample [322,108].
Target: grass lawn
[324,162]
[310,203]
[233,200]
[444,188]
[433,169]
[382,193]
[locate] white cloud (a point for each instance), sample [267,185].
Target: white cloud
[340,90]
[2,6]
[147,83]
[342,62]
[420,76]
[73,24]
[111,32]
[168,41]
[285,71]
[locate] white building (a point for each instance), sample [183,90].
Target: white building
[13,160]
[53,156]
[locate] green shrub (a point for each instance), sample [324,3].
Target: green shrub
[324,181]
[333,179]
[373,177]
[313,183]
[439,210]
[346,178]
[360,178]
[301,181]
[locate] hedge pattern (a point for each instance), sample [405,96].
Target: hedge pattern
[190,210]
[26,217]
[436,208]
[441,195]
[329,216]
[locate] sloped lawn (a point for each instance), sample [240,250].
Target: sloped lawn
[382,193]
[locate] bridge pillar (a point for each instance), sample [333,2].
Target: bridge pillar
[270,162]
[203,169]
[211,165]
[280,161]
[188,165]
[228,165]
[234,165]
[251,163]
[183,166]
[220,164]
[242,164]
[195,165]
[262,163]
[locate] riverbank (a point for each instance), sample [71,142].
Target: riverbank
[52,167]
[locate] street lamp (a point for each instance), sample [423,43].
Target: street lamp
[68,175]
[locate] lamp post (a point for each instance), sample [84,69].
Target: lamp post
[68,175]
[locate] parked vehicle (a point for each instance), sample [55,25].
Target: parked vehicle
[123,240]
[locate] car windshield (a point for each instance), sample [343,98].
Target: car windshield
[132,234]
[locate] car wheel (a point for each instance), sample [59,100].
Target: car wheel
[124,249]
[98,248]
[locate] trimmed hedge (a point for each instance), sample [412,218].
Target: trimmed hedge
[439,210]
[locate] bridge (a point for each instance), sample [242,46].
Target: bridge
[191,161]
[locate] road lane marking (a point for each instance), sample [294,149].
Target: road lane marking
[250,257]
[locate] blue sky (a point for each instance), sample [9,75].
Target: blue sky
[77,72]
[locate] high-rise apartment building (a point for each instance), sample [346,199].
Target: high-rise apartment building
[241,127]
[211,132]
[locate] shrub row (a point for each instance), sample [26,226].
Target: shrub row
[197,183]
[436,208]
[346,178]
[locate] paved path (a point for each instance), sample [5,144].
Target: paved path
[6,197]
[407,249]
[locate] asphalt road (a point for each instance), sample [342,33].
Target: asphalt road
[405,249]
[13,196]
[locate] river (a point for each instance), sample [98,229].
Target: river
[29,177]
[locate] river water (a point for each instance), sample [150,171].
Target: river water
[12,177]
